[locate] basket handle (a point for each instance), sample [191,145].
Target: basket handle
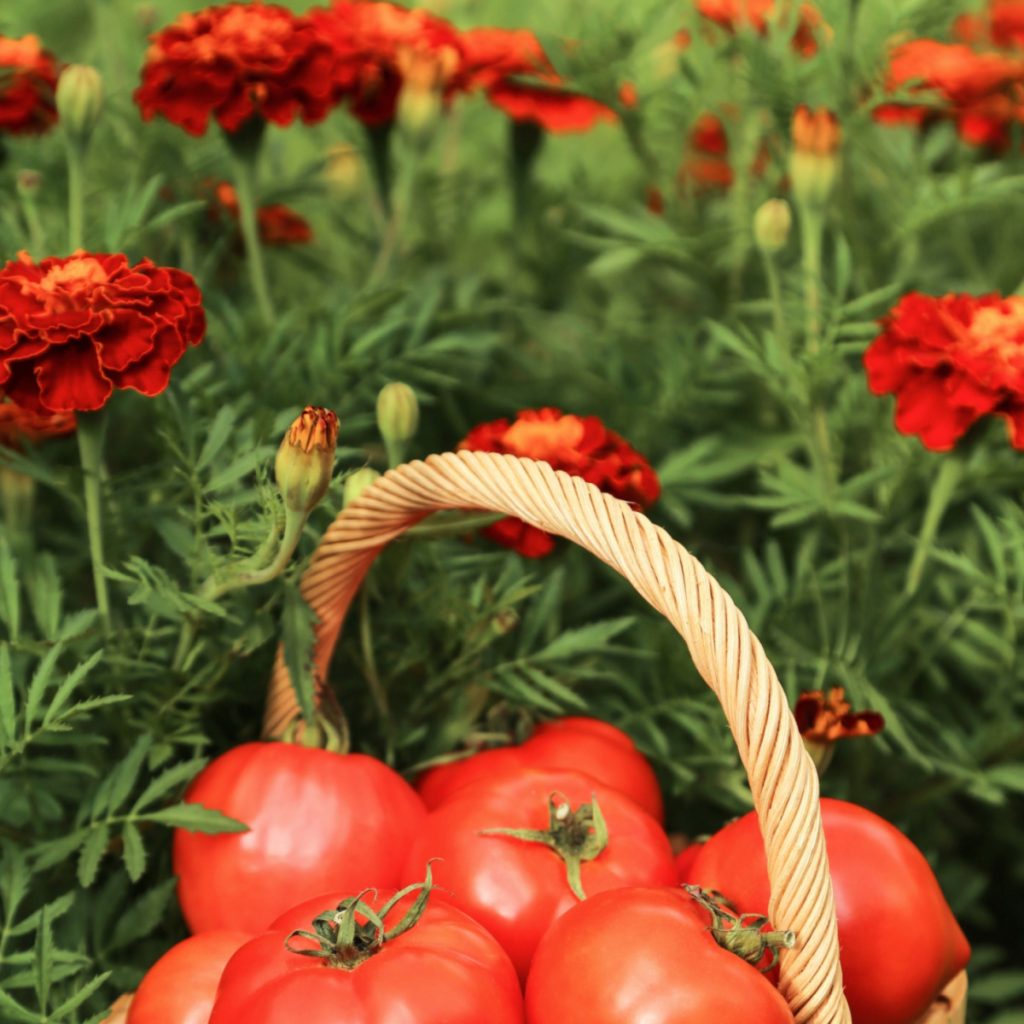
[783,780]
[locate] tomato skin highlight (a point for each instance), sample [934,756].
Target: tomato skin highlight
[514,888]
[644,954]
[899,942]
[445,970]
[573,744]
[180,987]
[318,821]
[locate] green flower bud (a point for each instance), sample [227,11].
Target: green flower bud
[398,413]
[79,100]
[305,460]
[772,222]
[357,482]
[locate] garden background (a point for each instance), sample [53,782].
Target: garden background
[613,272]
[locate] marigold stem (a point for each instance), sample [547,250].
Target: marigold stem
[244,146]
[90,448]
[76,195]
[942,491]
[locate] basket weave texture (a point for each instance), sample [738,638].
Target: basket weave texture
[783,780]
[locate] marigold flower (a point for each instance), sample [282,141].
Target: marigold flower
[706,161]
[814,160]
[1001,25]
[950,361]
[19,426]
[378,47]
[733,14]
[74,329]
[28,80]
[278,224]
[982,92]
[236,62]
[825,718]
[511,67]
[581,446]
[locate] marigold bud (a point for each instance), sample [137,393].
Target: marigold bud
[773,220]
[343,170]
[418,111]
[28,183]
[357,482]
[79,99]
[814,162]
[398,412]
[305,460]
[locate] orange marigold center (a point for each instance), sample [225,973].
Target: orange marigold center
[997,333]
[70,285]
[242,35]
[548,440]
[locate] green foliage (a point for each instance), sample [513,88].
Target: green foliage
[779,470]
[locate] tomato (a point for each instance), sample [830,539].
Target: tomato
[685,859]
[900,944]
[179,988]
[579,744]
[645,955]
[317,821]
[516,887]
[445,969]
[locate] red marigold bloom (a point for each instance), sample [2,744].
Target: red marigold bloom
[379,46]
[582,446]
[73,329]
[982,92]
[950,361]
[1002,25]
[236,62]
[277,223]
[732,14]
[706,161]
[825,718]
[18,425]
[28,79]
[510,65]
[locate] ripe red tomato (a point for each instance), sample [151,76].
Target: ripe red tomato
[644,955]
[317,821]
[445,969]
[180,987]
[685,859]
[515,888]
[900,944]
[578,744]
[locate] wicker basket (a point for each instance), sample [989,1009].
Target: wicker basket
[728,656]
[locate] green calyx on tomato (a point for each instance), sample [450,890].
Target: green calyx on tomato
[327,729]
[742,934]
[344,941]
[575,835]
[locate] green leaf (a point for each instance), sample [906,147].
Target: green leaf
[134,851]
[10,594]
[297,622]
[195,818]
[8,713]
[92,853]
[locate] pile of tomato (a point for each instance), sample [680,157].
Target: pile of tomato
[532,884]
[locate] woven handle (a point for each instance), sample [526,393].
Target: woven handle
[729,657]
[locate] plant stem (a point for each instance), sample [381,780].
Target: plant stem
[942,491]
[441,525]
[90,448]
[525,141]
[76,195]
[771,272]
[244,146]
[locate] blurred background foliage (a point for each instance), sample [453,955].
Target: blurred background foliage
[660,323]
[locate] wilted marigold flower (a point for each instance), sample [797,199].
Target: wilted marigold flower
[825,718]
[18,425]
[74,329]
[28,80]
[581,446]
[379,47]
[236,62]
[950,361]
[511,67]
[277,223]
